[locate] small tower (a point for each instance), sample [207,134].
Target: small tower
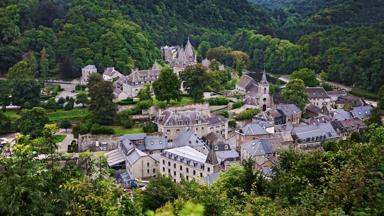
[212,159]
[264,97]
[189,52]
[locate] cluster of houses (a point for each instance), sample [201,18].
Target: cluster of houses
[193,143]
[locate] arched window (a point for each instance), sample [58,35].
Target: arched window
[265,90]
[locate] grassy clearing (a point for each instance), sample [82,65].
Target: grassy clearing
[59,138]
[74,114]
[13,115]
[364,94]
[182,102]
[121,130]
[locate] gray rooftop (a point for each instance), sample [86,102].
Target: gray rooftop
[253,128]
[135,155]
[361,112]
[258,147]
[155,143]
[187,138]
[316,93]
[288,109]
[315,132]
[341,115]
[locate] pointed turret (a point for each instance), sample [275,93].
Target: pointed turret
[189,52]
[212,158]
[264,80]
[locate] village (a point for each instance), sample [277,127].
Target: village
[197,141]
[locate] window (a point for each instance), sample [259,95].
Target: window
[194,172]
[169,163]
[181,167]
[187,170]
[174,165]
[187,177]
[148,171]
[201,174]
[226,147]
[169,171]
[174,173]
[154,170]
[216,147]
[163,169]
[209,169]
[163,161]
[147,164]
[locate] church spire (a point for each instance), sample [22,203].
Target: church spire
[264,78]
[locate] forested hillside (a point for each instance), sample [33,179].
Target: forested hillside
[126,34]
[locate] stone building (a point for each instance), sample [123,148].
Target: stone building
[256,94]
[197,118]
[255,130]
[179,57]
[188,163]
[86,72]
[110,74]
[290,112]
[320,98]
[129,86]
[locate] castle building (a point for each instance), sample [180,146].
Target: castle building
[179,57]
[256,94]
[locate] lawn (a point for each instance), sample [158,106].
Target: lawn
[121,130]
[182,102]
[74,114]
[59,138]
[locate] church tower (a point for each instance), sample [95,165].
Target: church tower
[189,52]
[264,97]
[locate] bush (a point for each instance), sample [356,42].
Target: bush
[61,101]
[98,129]
[224,114]
[80,87]
[143,105]
[247,114]
[124,119]
[162,104]
[327,87]
[65,124]
[232,123]
[128,101]
[51,104]
[150,127]
[69,105]
[218,101]
[237,105]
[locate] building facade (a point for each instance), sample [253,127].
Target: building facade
[86,72]
[196,118]
[187,163]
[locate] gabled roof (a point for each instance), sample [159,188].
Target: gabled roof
[114,157]
[322,131]
[253,128]
[90,67]
[189,153]
[258,147]
[246,82]
[288,109]
[341,115]
[224,155]
[316,93]
[187,138]
[135,155]
[362,112]
[110,71]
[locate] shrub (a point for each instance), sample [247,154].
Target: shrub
[51,104]
[65,124]
[218,101]
[247,114]
[143,105]
[232,123]
[124,119]
[162,104]
[364,94]
[69,105]
[98,129]
[224,114]
[237,105]
[128,101]
[80,87]
[149,127]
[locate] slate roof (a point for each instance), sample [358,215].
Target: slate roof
[258,147]
[90,67]
[135,155]
[187,118]
[110,71]
[114,157]
[141,77]
[187,138]
[341,115]
[313,109]
[155,143]
[246,82]
[288,109]
[361,112]
[253,128]
[315,132]
[224,155]
[316,93]
[187,153]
